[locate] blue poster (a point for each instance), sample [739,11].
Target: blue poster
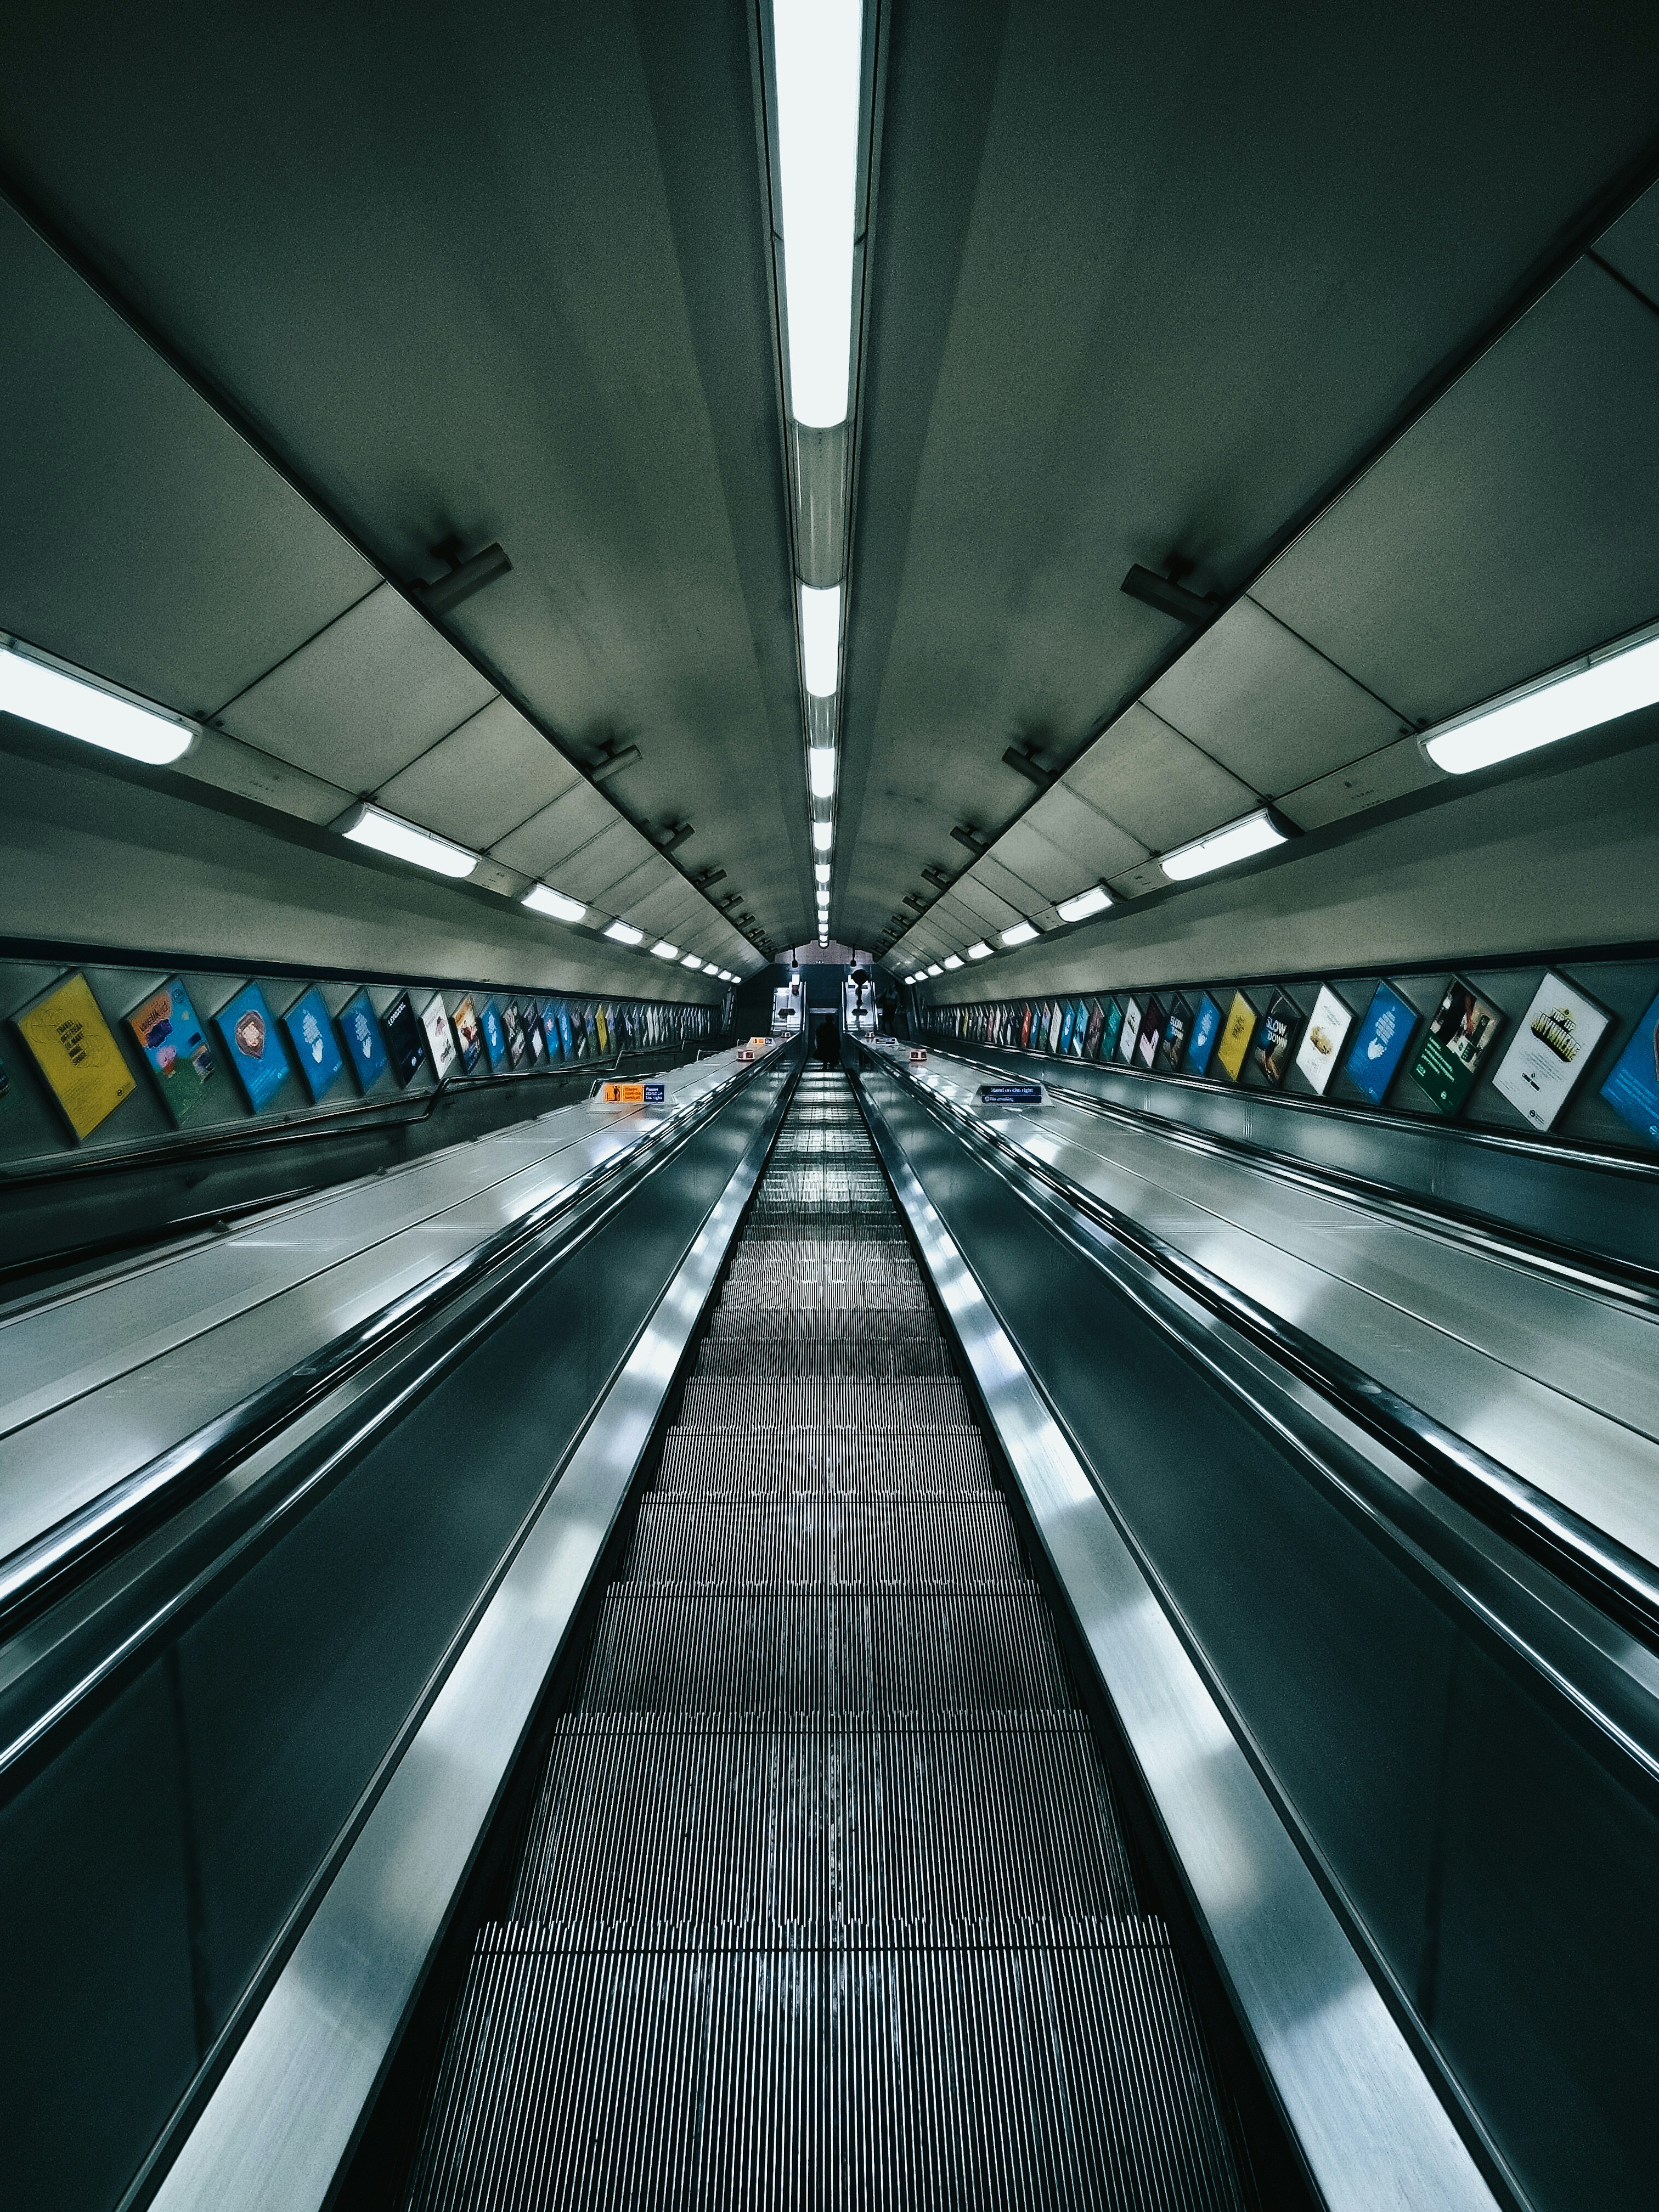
[311,1034]
[566,1034]
[1632,1089]
[1206,1028]
[495,1036]
[362,1035]
[1065,1044]
[549,1014]
[1079,1027]
[1380,1042]
[253,1045]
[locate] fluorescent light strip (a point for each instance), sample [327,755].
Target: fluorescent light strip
[1236,840]
[662,950]
[1598,689]
[1020,932]
[624,933]
[540,900]
[821,870]
[816,50]
[980,952]
[821,771]
[1095,899]
[823,836]
[51,692]
[820,641]
[952,960]
[934,970]
[389,833]
[692,961]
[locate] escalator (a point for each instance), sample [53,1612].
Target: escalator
[824,1894]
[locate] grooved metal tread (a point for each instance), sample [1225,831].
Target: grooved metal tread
[824,1895]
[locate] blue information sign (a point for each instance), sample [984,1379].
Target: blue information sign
[1011,1094]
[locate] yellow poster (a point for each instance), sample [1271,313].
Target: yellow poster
[76,1053]
[1236,1037]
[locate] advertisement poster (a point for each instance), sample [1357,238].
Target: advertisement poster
[1129,1032]
[311,1034]
[515,1028]
[468,1038]
[1462,1032]
[175,1047]
[362,1035]
[404,1050]
[1178,1028]
[1632,1089]
[1235,1035]
[1066,1020]
[1279,1027]
[567,1032]
[1079,1027]
[550,1021]
[495,1036]
[254,1046]
[75,1050]
[1553,1046]
[530,1013]
[1206,1028]
[1113,1030]
[601,1023]
[1380,1042]
[1093,1029]
[439,1042]
[1023,1028]
[1151,1032]
[1322,1040]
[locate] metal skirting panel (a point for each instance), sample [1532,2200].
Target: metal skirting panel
[825,1897]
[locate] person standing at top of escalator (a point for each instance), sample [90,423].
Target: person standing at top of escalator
[826,1041]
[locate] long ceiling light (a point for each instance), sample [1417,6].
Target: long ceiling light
[662,950]
[820,639]
[980,952]
[821,870]
[1235,841]
[1019,932]
[821,770]
[823,836]
[935,969]
[692,961]
[541,900]
[1597,689]
[1095,899]
[952,960]
[389,833]
[51,692]
[817,45]
[625,934]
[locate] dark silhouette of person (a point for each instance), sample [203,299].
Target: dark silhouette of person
[826,1042]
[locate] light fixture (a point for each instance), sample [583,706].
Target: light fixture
[540,900]
[823,836]
[821,771]
[1597,689]
[816,47]
[1019,932]
[662,950]
[690,961]
[389,833]
[465,578]
[625,934]
[934,970]
[820,639]
[952,960]
[821,870]
[1095,899]
[42,689]
[1235,841]
[980,952]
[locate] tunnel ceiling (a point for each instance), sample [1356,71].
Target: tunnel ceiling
[1141,287]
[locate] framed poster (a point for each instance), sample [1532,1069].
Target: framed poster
[404,1045]
[1632,1089]
[531,1014]
[1079,1024]
[1066,1020]
[252,1045]
[439,1042]
[1280,1026]
[1027,1024]
[468,1038]
[1206,1028]
[1178,1028]
[1553,1046]
[1380,1042]
[1236,1033]
[602,1026]
[175,1049]
[1322,1040]
[311,1034]
[567,1032]
[364,1047]
[75,1051]
[514,1029]
[1129,1032]
[1462,1031]
[1151,1032]
[495,1036]
[1093,1029]
[1111,1030]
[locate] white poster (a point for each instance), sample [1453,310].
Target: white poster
[1550,1050]
[1125,1043]
[435,1022]
[1322,1040]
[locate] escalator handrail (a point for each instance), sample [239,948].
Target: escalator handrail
[1617,1581]
[41,1571]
